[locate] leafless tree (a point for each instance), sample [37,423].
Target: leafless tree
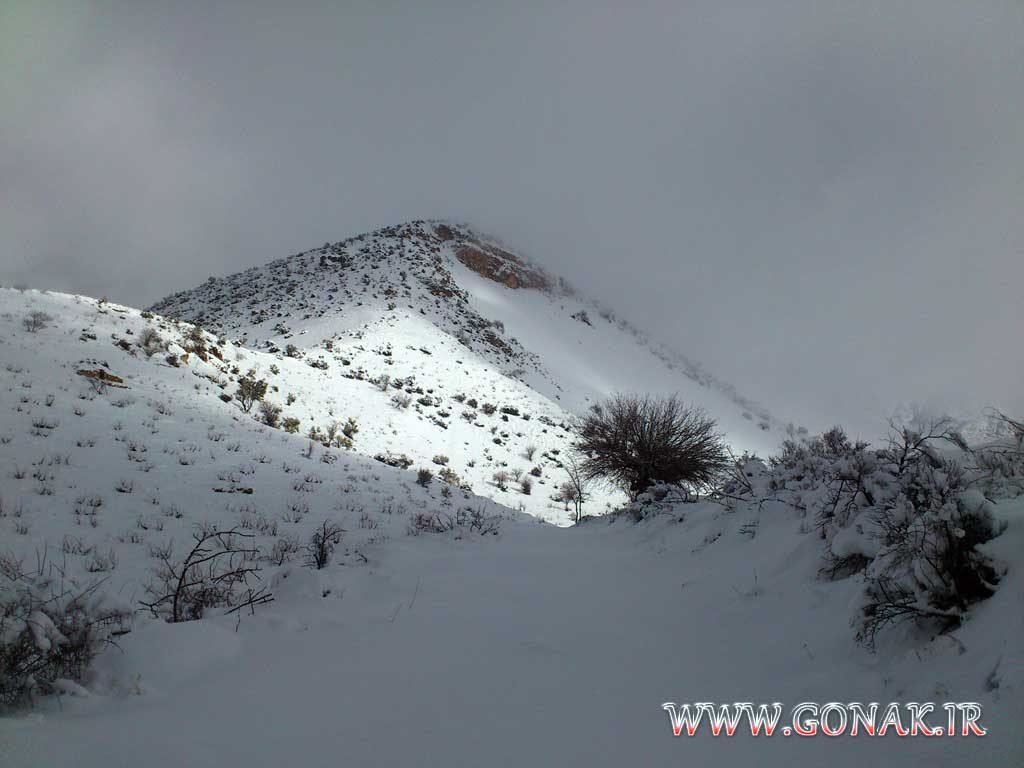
[575,488]
[36,321]
[216,573]
[1015,428]
[636,442]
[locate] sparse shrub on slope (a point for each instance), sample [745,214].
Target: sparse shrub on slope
[322,543]
[270,413]
[336,434]
[150,342]
[219,572]
[465,520]
[34,322]
[399,460]
[250,390]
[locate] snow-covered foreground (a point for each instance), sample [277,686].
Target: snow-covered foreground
[421,641]
[542,646]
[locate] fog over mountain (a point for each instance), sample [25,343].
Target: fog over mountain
[820,198]
[509,384]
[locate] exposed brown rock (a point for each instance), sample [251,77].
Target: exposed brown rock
[496,341]
[500,266]
[99,374]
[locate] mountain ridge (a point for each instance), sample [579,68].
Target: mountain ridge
[437,268]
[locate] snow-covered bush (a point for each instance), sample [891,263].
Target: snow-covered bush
[51,628]
[928,566]
[910,517]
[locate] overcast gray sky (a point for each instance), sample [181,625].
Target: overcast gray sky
[822,201]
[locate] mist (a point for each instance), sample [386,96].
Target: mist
[819,201]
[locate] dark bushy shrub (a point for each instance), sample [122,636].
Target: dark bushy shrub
[250,390]
[638,442]
[270,413]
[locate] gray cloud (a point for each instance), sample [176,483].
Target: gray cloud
[821,200]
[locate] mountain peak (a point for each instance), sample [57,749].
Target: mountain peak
[448,281]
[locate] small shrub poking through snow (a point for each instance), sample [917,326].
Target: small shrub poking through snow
[218,572]
[464,521]
[322,543]
[285,547]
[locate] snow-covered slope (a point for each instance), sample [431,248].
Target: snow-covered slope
[539,645]
[112,455]
[380,302]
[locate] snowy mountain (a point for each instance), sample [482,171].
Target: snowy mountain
[446,627]
[449,311]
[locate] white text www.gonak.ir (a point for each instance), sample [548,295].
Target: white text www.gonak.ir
[830,719]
